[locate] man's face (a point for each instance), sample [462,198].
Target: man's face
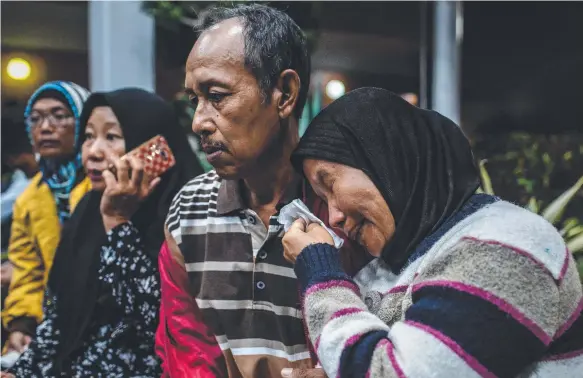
[237,127]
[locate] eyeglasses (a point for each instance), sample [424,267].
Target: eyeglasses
[55,119]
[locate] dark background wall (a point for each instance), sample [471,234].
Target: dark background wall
[520,60]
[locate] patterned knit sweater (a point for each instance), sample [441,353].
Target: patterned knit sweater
[492,293]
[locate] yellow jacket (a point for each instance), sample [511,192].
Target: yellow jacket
[34,238]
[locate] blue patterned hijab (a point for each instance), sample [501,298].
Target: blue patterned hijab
[61,176]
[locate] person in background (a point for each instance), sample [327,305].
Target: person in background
[473,285]
[102,300]
[52,122]
[17,158]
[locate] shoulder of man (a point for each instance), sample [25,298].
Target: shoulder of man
[193,197]
[197,192]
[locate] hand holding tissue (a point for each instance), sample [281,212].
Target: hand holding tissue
[296,210]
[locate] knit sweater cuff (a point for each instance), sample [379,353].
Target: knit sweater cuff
[319,263]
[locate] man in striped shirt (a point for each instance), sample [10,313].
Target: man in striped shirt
[247,77]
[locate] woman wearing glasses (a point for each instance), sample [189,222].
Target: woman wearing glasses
[52,121]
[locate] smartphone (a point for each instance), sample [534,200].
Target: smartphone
[155,155]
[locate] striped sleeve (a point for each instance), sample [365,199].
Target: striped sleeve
[481,309]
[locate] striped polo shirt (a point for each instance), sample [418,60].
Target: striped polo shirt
[246,290]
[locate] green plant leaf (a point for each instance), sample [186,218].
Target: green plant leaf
[533,205]
[486,181]
[527,184]
[574,232]
[554,211]
[575,245]
[510,155]
[568,225]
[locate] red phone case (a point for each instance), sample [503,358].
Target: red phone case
[156,156]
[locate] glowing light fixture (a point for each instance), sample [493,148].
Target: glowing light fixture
[411,98]
[335,89]
[18,69]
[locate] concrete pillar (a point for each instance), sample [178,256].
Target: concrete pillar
[448,35]
[121,46]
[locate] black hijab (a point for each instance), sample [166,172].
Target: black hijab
[74,275]
[420,161]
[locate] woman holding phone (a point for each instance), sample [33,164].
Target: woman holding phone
[101,305]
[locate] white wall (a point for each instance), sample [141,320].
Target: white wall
[121,46]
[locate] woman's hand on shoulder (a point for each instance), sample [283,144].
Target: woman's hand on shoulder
[300,235]
[125,191]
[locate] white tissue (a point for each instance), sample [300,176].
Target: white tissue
[297,209]
[9,359]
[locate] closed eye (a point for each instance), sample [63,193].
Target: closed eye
[216,97]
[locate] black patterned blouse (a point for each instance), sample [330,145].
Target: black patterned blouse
[122,345]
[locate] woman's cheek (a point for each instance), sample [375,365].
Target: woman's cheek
[372,241]
[349,200]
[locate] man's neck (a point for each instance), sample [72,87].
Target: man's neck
[265,187]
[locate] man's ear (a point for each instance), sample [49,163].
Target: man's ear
[287,92]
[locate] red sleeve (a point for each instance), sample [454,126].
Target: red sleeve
[187,347]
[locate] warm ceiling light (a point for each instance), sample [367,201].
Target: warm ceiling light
[18,69]
[411,98]
[335,89]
